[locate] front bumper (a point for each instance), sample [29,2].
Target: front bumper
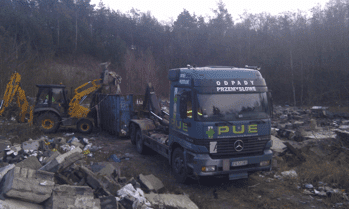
[196,161]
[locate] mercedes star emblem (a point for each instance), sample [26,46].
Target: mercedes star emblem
[239,145]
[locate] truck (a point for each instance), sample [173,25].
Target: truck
[218,122]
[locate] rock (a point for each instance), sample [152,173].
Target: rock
[151,182]
[308,186]
[28,185]
[18,204]
[31,162]
[313,124]
[307,192]
[4,170]
[31,145]
[171,201]
[72,197]
[63,161]
[320,193]
[77,144]
[290,173]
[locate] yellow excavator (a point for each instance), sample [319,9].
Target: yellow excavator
[14,90]
[52,106]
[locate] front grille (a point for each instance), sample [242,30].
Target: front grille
[225,147]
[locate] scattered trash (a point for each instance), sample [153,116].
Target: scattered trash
[114,158]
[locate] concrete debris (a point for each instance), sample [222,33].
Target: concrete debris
[171,201]
[308,186]
[278,145]
[110,202]
[31,162]
[72,197]
[151,183]
[27,184]
[31,145]
[63,161]
[4,170]
[18,204]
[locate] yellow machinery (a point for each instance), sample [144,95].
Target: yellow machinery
[76,110]
[13,89]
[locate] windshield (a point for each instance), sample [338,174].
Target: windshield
[218,107]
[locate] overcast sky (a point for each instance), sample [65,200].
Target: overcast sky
[165,10]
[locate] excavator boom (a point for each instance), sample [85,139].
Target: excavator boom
[13,89]
[76,110]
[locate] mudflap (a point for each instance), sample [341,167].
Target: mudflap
[235,176]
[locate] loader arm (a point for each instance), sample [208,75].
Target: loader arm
[76,110]
[13,89]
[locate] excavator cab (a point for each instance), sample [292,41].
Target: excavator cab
[52,96]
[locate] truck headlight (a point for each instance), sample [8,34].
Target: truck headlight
[264,163]
[208,168]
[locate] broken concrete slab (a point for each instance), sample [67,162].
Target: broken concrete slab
[18,204]
[94,182]
[31,145]
[4,170]
[295,151]
[27,184]
[278,145]
[31,162]
[72,197]
[107,170]
[151,182]
[62,161]
[53,156]
[171,201]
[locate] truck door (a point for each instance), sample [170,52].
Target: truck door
[179,124]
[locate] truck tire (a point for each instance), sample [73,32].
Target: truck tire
[178,166]
[133,133]
[84,126]
[140,142]
[48,122]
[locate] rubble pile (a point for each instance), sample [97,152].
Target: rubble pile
[51,173]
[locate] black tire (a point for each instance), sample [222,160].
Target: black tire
[133,133]
[84,126]
[178,166]
[48,122]
[141,149]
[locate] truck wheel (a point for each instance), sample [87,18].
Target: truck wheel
[139,142]
[178,165]
[48,122]
[84,126]
[133,133]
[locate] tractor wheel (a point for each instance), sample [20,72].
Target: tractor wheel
[133,133]
[84,126]
[178,166]
[48,122]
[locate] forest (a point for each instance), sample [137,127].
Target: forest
[303,55]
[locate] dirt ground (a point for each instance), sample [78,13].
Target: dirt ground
[261,190]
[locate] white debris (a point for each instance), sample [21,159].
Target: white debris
[290,173]
[85,140]
[138,194]
[308,186]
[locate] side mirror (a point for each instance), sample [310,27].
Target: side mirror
[183,106]
[270,102]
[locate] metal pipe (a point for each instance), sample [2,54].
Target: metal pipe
[156,115]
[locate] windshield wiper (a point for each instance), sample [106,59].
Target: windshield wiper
[257,121]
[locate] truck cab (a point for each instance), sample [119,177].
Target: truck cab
[219,123]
